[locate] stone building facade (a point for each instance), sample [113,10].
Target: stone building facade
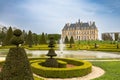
[80,31]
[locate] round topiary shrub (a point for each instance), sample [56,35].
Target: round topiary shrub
[81,68]
[17,32]
[16,39]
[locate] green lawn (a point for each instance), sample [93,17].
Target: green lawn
[110,46]
[112,70]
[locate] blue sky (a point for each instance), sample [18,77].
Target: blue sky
[50,16]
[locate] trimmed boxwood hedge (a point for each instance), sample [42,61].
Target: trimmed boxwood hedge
[81,68]
[61,64]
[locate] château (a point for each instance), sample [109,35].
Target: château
[80,31]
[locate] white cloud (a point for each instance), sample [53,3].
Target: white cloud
[51,15]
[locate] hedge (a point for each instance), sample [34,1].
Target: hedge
[81,68]
[61,64]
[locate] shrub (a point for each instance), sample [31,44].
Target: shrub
[81,68]
[17,32]
[61,64]
[16,66]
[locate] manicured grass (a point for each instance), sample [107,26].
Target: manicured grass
[112,70]
[107,46]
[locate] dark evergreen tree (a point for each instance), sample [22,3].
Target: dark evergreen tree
[117,46]
[39,37]
[16,66]
[95,45]
[24,36]
[57,37]
[2,37]
[46,38]
[66,41]
[35,38]
[8,36]
[116,36]
[71,41]
[30,39]
[42,39]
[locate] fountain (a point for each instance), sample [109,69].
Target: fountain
[61,47]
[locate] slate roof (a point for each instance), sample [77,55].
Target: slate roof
[80,25]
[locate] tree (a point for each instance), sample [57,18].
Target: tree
[24,36]
[117,46]
[35,38]
[2,37]
[116,36]
[107,37]
[3,34]
[71,41]
[95,45]
[42,39]
[8,36]
[30,39]
[66,41]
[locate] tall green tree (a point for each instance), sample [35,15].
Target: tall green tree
[35,38]
[116,36]
[8,36]
[42,39]
[2,37]
[24,36]
[71,41]
[29,39]
[56,36]
[66,41]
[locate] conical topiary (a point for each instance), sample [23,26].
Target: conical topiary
[17,66]
[51,62]
[51,52]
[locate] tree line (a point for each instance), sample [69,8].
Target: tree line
[29,38]
[109,37]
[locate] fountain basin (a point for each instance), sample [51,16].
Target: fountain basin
[81,68]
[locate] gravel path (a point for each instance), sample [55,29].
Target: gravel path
[96,72]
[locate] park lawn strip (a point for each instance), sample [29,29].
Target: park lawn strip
[112,70]
[106,46]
